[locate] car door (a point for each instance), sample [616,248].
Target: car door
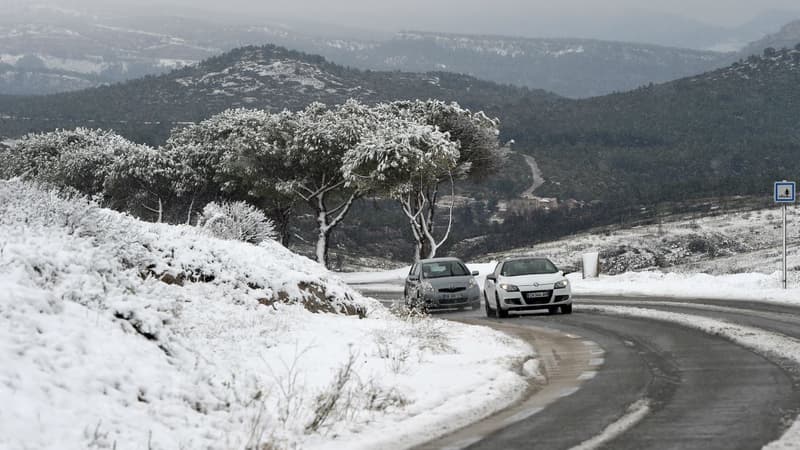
[490,285]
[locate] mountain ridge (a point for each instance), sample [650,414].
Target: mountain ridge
[619,140]
[62,51]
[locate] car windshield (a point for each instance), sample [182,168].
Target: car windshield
[443,269]
[528,267]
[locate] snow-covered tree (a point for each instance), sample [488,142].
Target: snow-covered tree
[406,159]
[142,181]
[476,134]
[238,221]
[78,158]
[420,146]
[234,155]
[314,161]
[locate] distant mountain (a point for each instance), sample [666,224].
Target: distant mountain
[768,22]
[267,77]
[787,37]
[47,50]
[570,67]
[728,131]
[678,31]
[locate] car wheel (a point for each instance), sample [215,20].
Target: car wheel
[552,309]
[501,313]
[489,310]
[566,309]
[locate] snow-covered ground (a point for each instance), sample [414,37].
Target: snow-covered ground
[743,286]
[741,250]
[737,242]
[116,333]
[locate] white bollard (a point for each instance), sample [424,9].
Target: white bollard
[591,265]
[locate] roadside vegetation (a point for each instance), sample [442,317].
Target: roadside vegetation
[322,157]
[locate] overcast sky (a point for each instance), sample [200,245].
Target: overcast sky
[403,13]
[602,19]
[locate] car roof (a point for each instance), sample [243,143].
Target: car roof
[431,260]
[520,258]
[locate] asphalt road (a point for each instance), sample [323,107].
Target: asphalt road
[700,391]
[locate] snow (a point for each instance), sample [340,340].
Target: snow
[84,66]
[175,63]
[7,58]
[710,241]
[743,286]
[115,333]
[258,75]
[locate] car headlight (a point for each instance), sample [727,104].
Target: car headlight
[427,288]
[561,284]
[509,287]
[471,283]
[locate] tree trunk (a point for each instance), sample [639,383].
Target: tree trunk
[327,220]
[427,249]
[282,215]
[323,245]
[189,213]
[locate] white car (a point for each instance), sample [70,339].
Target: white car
[524,284]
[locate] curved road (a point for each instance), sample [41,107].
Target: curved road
[661,385]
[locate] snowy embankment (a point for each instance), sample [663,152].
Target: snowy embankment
[116,333]
[744,286]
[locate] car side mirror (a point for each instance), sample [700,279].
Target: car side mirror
[413,277]
[475,273]
[491,277]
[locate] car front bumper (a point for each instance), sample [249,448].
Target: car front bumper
[469,297]
[526,300]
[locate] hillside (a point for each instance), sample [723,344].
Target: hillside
[727,132]
[787,37]
[267,77]
[44,50]
[570,67]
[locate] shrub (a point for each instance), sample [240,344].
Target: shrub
[78,158]
[237,221]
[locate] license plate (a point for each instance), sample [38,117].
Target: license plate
[452,296]
[537,294]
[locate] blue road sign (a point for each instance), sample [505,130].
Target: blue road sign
[785,192]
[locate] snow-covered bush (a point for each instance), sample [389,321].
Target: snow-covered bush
[142,181]
[237,221]
[78,158]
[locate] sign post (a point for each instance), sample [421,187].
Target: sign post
[784,194]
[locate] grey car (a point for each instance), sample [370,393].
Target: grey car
[441,283]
